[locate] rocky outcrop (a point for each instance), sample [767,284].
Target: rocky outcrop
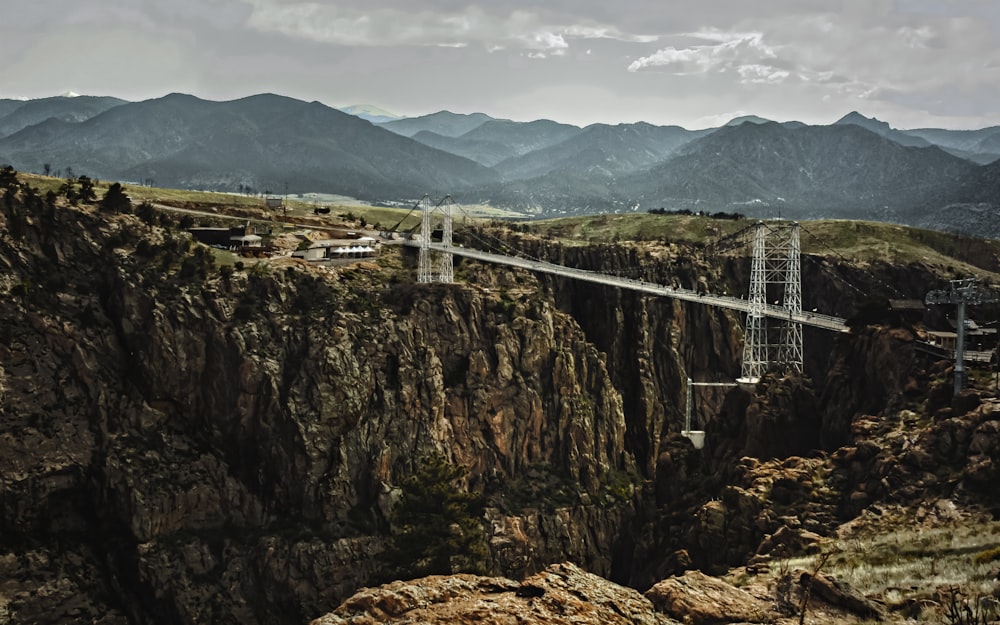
[564,593]
[561,594]
[872,371]
[699,599]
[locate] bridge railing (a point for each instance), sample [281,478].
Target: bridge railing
[826,322]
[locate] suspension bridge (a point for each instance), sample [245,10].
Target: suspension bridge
[773,337]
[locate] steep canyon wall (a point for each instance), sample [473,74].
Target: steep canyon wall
[181,443]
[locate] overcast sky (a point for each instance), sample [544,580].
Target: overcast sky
[695,63]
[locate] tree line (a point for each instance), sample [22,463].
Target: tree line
[690,213]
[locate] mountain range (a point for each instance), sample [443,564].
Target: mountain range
[858,167]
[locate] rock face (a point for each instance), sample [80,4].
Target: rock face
[562,594]
[226,446]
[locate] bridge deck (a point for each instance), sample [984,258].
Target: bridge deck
[816,320]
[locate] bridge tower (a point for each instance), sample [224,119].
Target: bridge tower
[775,271]
[444,269]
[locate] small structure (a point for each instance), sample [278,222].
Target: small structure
[274,202]
[339,249]
[231,238]
[245,240]
[211,236]
[978,339]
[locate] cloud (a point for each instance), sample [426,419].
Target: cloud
[386,26]
[730,52]
[903,60]
[545,40]
[869,53]
[606,32]
[757,73]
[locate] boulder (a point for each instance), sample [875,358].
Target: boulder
[562,594]
[701,600]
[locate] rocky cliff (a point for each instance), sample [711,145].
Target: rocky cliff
[184,442]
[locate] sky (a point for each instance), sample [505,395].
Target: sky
[693,63]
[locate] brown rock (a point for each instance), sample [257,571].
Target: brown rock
[562,594]
[840,594]
[699,599]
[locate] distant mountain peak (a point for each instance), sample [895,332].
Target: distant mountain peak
[69,94]
[858,119]
[370,112]
[747,119]
[443,123]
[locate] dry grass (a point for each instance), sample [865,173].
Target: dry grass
[859,242]
[897,559]
[341,208]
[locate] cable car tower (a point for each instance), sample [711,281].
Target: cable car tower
[962,293]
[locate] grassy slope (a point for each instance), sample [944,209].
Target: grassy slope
[857,241]
[861,242]
[902,557]
[300,208]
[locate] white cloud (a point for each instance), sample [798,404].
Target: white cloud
[870,54]
[545,40]
[732,50]
[606,32]
[757,73]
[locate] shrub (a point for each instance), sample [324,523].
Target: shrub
[147,213]
[8,177]
[990,555]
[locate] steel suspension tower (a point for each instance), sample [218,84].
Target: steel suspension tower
[445,270]
[775,271]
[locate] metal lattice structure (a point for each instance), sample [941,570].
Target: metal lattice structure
[444,269]
[963,293]
[775,271]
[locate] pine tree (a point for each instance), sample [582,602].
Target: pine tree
[440,524]
[87,194]
[115,200]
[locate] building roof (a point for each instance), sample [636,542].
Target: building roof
[907,304]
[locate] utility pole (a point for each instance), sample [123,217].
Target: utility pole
[962,293]
[996,365]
